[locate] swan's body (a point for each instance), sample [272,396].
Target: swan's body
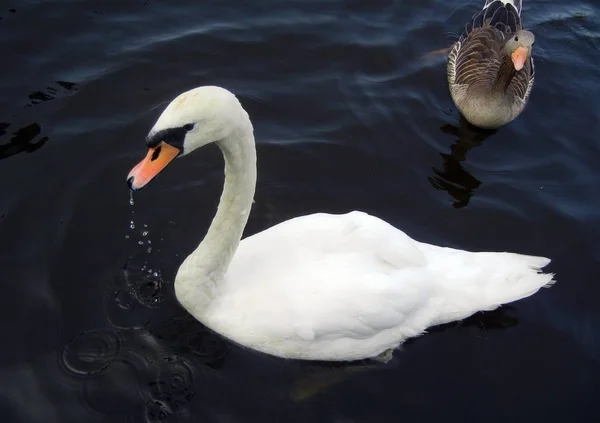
[317,287]
[490,69]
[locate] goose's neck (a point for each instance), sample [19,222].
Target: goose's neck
[506,73]
[198,278]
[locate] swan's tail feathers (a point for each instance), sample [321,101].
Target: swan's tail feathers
[517,4]
[490,280]
[521,277]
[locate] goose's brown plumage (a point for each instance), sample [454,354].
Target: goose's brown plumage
[483,80]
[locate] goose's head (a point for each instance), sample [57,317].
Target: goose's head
[519,48]
[193,119]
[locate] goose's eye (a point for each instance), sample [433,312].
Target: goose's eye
[188,127]
[516,39]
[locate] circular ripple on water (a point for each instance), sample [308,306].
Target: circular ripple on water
[91,353]
[170,392]
[184,335]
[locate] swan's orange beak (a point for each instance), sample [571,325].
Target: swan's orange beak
[519,57]
[156,160]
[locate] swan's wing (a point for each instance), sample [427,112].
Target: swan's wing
[370,302]
[319,235]
[326,278]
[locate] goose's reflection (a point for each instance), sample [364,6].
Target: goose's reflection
[454,179]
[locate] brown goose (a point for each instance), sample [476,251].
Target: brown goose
[490,68]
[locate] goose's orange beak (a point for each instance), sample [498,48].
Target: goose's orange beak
[156,160]
[519,57]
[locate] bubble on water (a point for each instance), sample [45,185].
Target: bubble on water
[141,242]
[126,236]
[145,233]
[149,250]
[158,411]
[131,198]
[144,287]
[169,395]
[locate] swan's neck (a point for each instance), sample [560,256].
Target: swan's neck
[198,278]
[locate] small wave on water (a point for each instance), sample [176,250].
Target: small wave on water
[29,138]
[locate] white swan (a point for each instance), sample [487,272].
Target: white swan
[317,287]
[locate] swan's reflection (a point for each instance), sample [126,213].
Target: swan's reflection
[318,377]
[454,179]
[498,319]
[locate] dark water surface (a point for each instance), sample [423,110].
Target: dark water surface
[350,112]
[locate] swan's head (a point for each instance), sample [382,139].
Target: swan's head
[192,120]
[519,48]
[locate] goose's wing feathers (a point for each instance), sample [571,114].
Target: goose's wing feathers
[479,54]
[521,85]
[479,49]
[516,4]
[496,14]
[332,276]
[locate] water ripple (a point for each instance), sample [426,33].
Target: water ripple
[92,353]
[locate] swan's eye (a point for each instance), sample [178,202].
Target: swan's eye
[516,39]
[188,127]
